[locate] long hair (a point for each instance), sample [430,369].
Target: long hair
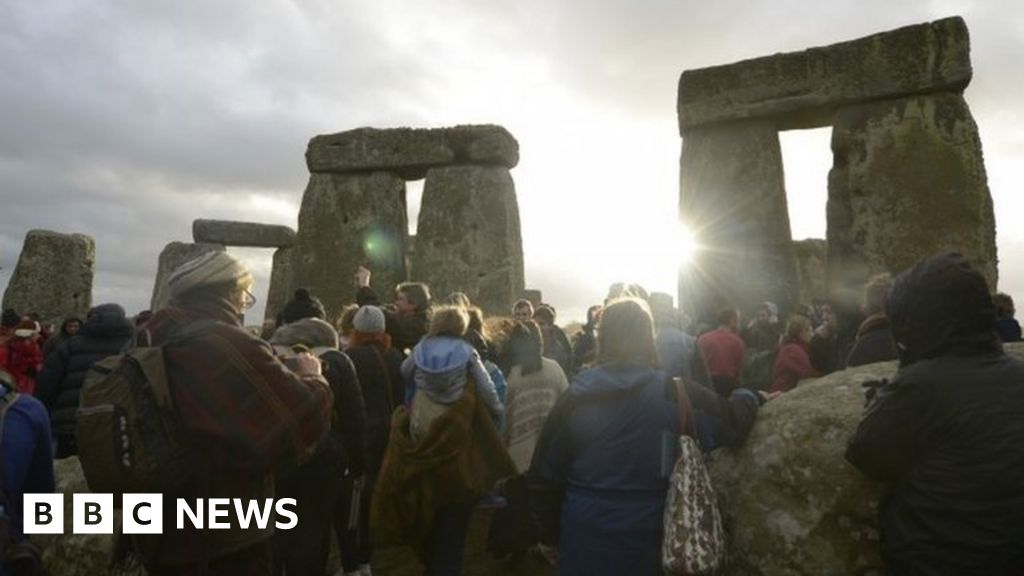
[795,328]
[626,334]
[524,348]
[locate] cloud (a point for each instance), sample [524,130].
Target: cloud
[126,120]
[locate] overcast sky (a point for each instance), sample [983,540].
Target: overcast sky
[126,120]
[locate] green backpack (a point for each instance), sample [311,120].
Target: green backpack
[129,435]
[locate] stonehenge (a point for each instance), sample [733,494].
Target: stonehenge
[907,161]
[53,276]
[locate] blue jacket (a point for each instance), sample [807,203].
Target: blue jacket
[599,477]
[26,453]
[441,366]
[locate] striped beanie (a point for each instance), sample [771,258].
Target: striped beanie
[210,269]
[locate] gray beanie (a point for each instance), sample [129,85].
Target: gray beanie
[210,269]
[312,332]
[369,319]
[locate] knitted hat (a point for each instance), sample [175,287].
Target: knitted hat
[312,332]
[302,305]
[369,319]
[210,269]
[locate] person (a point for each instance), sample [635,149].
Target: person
[1006,325]
[407,321]
[584,344]
[244,413]
[827,352]
[317,484]
[874,341]
[440,367]
[303,304]
[68,328]
[378,366]
[26,467]
[107,330]
[535,383]
[678,352]
[556,343]
[793,362]
[25,355]
[723,351]
[946,435]
[522,310]
[444,451]
[764,329]
[345,326]
[599,475]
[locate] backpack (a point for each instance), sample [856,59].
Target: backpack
[129,436]
[21,558]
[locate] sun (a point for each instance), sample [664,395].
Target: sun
[684,245]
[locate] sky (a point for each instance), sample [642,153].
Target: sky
[127,119]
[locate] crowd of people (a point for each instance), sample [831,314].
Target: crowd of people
[392,423]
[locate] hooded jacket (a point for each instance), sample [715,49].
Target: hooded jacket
[440,366]
[946,436]
[105,332]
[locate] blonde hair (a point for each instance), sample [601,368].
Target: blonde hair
[344,323]
[626,334]
[449,321]
[796,326]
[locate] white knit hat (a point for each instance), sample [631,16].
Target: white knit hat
[369,319]
[210,269]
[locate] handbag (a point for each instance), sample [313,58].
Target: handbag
[694,541]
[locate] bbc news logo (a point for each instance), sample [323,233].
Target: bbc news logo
[144,513]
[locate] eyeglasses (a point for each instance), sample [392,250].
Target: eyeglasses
[248,300]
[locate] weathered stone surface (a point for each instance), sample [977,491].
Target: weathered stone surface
[811,268]
[799,89]
[791,503]
[71,554]
[410,152]
[173,255]
[347,221]
[468,236]
[732,196]
[908,180]
[282,276]
[661,301]
[535,297]
[53,276]
[230,233]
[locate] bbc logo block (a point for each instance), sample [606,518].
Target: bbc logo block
[144,513]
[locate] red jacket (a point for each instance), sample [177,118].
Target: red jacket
[792,364]
[723,351]
[24,360]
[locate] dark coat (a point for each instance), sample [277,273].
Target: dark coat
[348,437]
[600,473]
[405,331]
[378,369]
[947,434]
[59,385]
[874,342]
[1008,329]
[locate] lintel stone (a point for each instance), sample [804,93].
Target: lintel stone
[232,233]
[410,152]
[800,89]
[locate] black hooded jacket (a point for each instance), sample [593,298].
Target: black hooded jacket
[105,332]
[946,436]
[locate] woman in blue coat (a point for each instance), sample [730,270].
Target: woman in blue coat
[599,477]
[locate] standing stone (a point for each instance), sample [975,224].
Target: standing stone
[908,181]
[733,198]
[53,276]
[468,237]
[282,276]
[173,255]
[534,297]
[347,221]
[791,503]
[231,233]
[811,267]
